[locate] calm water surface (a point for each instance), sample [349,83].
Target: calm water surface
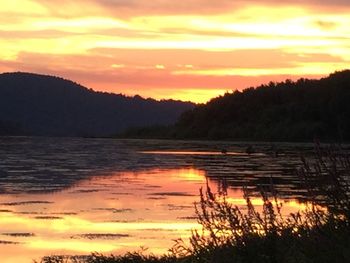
[75,196]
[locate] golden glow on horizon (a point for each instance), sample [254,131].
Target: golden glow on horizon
[196,95]
[311,68]
[90,45]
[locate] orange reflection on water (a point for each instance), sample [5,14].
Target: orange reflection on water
[110,214]
[289,206]
[113,214]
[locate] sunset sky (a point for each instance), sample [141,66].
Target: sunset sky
[181,49]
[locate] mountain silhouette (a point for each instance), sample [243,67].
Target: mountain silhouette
[32,104]
[301,110]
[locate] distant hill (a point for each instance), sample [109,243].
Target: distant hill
[301,110]
[32,104]
[286,111]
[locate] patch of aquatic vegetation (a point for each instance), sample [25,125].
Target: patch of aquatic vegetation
[114,210]
[26,203]
[5,211]
[86,191]
[156,198]
[171,194]
[65,213]
[48,217]
[176,207]
[6,242]
[100,236]
[187,217]
[18,234]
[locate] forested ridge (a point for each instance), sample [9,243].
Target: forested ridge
[299,110]
[305,109]
[32,104]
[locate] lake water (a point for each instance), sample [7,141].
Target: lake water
[75,196]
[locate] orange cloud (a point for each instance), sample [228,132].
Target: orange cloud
[135,71]
[165,48]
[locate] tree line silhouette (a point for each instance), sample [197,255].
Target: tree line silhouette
[290,111]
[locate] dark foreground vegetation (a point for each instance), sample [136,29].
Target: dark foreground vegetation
[32,104]
[320,233]
[286,111]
